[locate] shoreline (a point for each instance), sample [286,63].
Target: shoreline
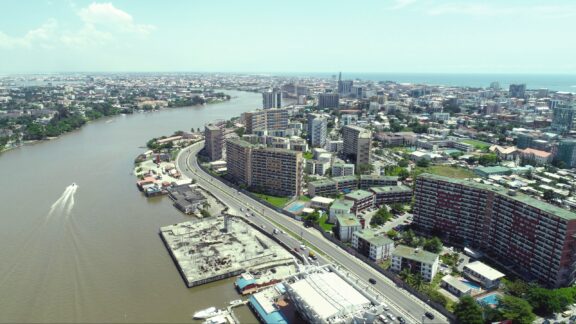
[47,139]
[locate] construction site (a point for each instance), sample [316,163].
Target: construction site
[220,247]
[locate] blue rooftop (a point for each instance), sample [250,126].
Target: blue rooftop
[273,317]
[241,282]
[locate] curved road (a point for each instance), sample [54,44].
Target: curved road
[402,302]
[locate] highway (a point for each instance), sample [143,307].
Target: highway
[400,301]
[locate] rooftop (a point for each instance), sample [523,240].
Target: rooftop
[456,283]
[378,177]
[372,237]
[485,270]
[493,169]
[342,204]
[384,189]
[546,207]
[359,194]
[415,254]
[347,220]
[322,200]
[344,178]
[321,183]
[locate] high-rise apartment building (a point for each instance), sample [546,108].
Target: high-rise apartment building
[214,137]
[536,239]
[344,86]
[317,128]
[517,90]
[328,100]
[277,172]
[357,144]
[272,99]
[562,119]
[239,161]
[273,171]
[566,152]
[268,119]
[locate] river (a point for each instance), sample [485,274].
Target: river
[91,252]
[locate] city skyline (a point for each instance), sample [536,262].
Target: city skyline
[402,36]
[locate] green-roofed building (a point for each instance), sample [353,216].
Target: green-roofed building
[346,224]
[416,260]
[346,183]
[485,172]
[536,239]
[391,194]
[375,246]
[367,181]
[362,200]
[339,207]
[326,188]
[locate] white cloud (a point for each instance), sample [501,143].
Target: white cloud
[105,15]
[102,24]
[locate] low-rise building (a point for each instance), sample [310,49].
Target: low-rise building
[322,188]
[342,169]
[368,181]
[362,200]
[375,247]
[339,207]
[346,184]
[457,287]
[486,172]
[391,194]
[416,261]
[319,202]
[346,224]
[485,275]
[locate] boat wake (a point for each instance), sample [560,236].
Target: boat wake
[65,203]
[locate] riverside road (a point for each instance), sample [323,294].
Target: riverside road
[400,301]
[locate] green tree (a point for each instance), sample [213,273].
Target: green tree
[397,207]
[456,155]
[468,311]
[516,288]
[403,163]
[365,168]
[381,217]
[546,302]
[549,195]
[392,234]
[488,159]
[433,245]
[516,309]
[423,163]
[240,131]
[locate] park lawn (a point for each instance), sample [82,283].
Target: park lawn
[308,155]
[479,145]
[276,201]
[447,171]
[304,198]
[322,222]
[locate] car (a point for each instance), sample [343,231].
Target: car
[429,315]
[401,319]
[390,316]
[372,281]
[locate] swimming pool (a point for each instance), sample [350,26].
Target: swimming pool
[470,284]
[489,299]
[295,207]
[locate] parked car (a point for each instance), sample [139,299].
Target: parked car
[429,315]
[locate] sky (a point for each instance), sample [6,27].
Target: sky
[399,36]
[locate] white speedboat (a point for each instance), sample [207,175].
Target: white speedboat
[206,313]
[221,319]
[236,302]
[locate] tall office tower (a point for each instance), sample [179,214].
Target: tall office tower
[317,128]
[357,144]
[239,161]
[265,120]
[562,119]
[214,137]
[534,238]
[344,86]
[328,100]
[517,91]
[277,172]
[272,99]
[566,152]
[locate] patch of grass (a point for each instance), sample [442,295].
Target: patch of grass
[304,198]
[479,145]
[446,171]
[276,201]
[308,155]
[325,226]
